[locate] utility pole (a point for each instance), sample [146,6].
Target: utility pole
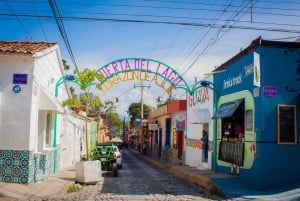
[142,101]
[142,96]
[142,112]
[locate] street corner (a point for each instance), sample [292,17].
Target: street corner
[204,182]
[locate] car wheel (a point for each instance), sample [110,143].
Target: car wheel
[115,170]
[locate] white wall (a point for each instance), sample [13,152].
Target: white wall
[15,107]
[47,69]
[193,154]
[71,137]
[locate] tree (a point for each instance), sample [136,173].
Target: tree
[134,111]
[107,107]
[111,117]
[114,123]
[66,65]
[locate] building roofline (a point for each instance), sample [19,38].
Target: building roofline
[258,42]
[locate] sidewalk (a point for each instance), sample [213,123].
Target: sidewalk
[55,185]
[228,186]
[225,185]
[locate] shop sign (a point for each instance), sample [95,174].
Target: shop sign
[233,81]
[227,109]
[270,91]
[137,123]
[152,126]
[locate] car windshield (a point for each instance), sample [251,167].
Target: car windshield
[103,148]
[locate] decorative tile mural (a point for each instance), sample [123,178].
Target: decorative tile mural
[23,166]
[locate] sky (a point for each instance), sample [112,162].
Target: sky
[191,36]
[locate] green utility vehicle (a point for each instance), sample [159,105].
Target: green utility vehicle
[105,152]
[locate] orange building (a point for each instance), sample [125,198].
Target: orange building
[167,140]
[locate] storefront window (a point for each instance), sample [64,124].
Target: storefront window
[286,117]
[232,116]
[233,126]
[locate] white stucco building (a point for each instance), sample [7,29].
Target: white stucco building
[199,117]
[37,135]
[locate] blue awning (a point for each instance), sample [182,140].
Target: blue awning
[227,109]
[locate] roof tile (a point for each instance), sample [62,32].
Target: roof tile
[24,47]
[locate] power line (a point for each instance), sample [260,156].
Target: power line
[19,20]
[61,28]
[43,30]
[183,8]
[192,4]
[166,23]
[210,42]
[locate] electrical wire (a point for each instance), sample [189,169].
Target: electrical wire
[209,45]
[216,26]
[61,28]
[19,20]
[42,27]
[201,38]
[181,8]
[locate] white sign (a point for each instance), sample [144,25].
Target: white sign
[256,70]
[152,126]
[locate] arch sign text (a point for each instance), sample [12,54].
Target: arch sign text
[149,70]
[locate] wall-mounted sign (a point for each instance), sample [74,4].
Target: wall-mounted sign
[137,123]
[270,91]
[70,77]
[19,78]
[180,122]
[227,109]
[256,69]
[16,88]
[152,126]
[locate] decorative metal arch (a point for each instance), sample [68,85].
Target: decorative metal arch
[125,66]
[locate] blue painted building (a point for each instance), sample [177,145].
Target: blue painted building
[257,114]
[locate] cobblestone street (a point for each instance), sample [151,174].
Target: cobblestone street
[137,180]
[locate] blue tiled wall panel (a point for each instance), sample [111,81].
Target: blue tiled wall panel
[22,166]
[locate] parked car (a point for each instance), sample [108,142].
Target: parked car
[118,156]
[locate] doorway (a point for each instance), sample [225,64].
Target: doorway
[205,127]
[180,143]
